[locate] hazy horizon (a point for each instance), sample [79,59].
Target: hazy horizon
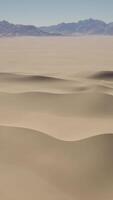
[39,12]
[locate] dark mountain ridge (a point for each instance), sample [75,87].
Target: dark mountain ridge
[9,30]
[83,27]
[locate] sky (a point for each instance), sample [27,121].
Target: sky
[48,12]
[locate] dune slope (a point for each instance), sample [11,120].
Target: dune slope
[94,104]
[35,165]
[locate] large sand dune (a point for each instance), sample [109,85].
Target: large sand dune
[57,106]
[34,165]
[56,118]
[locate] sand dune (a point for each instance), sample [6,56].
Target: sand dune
[41,106]
[46,168]
[22,82]
[95,104]
[58,94]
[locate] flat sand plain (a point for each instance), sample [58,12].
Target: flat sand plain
[56,118]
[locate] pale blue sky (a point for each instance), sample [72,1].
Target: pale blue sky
[46,12]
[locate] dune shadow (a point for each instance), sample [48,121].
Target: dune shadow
[13,77]
[103,75]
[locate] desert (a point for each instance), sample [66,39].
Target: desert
[56,118]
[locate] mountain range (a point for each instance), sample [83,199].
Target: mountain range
[9,30]
[83,27]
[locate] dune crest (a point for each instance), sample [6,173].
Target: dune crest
[95,104]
